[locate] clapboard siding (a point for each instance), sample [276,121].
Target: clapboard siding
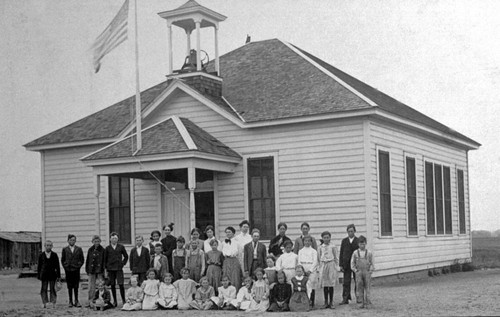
[146,213]
[401,252]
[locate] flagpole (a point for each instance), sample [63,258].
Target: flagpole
[137,87]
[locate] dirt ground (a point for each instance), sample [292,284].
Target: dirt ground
[458,294]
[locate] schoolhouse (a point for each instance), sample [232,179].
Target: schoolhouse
[267,132]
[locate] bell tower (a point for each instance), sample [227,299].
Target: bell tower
[191,16]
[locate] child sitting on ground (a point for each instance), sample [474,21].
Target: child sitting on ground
[186,288]
[362,265]
[299,302]
[280,294]
[260,293]
[134,295]
[151,287]
[244,297]
[102,297]
[202,298]
[168,293]
[227,293]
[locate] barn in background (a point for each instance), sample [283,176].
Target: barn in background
[19,249]
[269,133]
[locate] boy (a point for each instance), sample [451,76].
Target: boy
[362,265]
[347,247]
[48,272]
[139,260]
[94,265]
[72,260]
[254,255]
[101,300]
[115,258]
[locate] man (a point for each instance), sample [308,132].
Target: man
[254,254]
[48,272]
[139,260]
[348,246]
[115,258]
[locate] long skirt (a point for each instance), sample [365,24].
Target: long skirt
[214,275]
[232,269]
[299,302]
[327,274]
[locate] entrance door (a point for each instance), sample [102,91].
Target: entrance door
[204,206]
[175,207]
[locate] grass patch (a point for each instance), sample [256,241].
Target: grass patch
[486,252]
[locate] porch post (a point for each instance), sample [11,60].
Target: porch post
[97,192]
[192,187]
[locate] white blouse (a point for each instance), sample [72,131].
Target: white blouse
[230,249]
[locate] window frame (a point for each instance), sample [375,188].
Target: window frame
[246,195]
[131,207]
[460,233]
[388,151]
[415,159]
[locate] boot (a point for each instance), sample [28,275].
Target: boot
[113,293]
[77,304]
[70,295]
[122,293]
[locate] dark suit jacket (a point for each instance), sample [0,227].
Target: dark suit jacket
[115,259]
[248,256]
[139,264]
[346,250]
[105,296]
[48,269]
[95,260]
[72,261]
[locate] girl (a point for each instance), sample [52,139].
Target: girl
[151,288]
[328,267]
[159,262]
[167,293]
[231,266]
[155,239]
[260,293]
[195,261]
[202,298]
[287,262]
[186,288]
[179,258]
[214,260]
[270,271]
[102,297]
[308,258]
[209,231]
[299,302]
[133,296]
[280,294]
[168,244]
[72,260]
[227,293]
[195,237]
[299,242]
[244,297]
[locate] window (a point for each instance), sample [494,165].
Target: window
[261,195]
[438,198]
[385,193]
[461,201]
[411,196]
[119,208]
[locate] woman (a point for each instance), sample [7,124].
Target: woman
[231,266]
[276,245]
[169,244]
[210,232]
[195,236]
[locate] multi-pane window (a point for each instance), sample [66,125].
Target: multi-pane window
[119,208]
[461,201]
[438,198]
[261,196]
[411,196]
[385,193]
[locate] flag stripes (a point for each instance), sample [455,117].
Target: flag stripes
[112,36]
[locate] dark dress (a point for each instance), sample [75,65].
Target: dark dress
[276,244]
[299,300]
[214,260]
[169,244]
[280,297]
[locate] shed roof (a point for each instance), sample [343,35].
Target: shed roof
[22,236]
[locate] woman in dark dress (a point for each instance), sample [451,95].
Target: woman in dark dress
[169,244]
[276,244]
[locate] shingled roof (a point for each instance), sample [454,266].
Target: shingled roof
[22,236]
[262,81]
[165,138]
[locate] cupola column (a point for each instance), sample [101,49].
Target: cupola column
[188,35]
[216,37]
[169,48]
[198,45]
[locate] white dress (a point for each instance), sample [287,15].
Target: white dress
[287,262]
[243,299]
[308,258]
[242,239]
[226,295]
[151,289]
[168,296]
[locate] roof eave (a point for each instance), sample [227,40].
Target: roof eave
[43,147]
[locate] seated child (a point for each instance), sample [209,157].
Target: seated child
[270,271]
[244,297]
[202,298]
[133,296]
[299,301]
[186,288]
[227,293]
[167,294]
[280,294]
[260,293]
[102,297]
[151,287]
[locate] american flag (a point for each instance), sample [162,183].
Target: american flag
[112,36]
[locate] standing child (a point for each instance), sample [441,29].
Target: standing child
[48,272]
[328,263]
[299,302]
[159,262]
[168,293]
[72,260]
[151,288]
[244,297]
[270,271]
[94,267]
[195,261]
[280,294]
[227,293]
[102,298]
[287,261]
[260,293]
[202,298]
[362,265]
[186,288]
[155,239]
[214,261]
[134,295]
[308,258]
[139,260]
[115,258]
[179,258]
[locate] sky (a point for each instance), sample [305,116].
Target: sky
[439,57]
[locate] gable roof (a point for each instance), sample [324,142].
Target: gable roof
[264,81]
[173,135]
[22,236]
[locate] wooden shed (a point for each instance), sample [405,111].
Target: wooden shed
[19,249]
